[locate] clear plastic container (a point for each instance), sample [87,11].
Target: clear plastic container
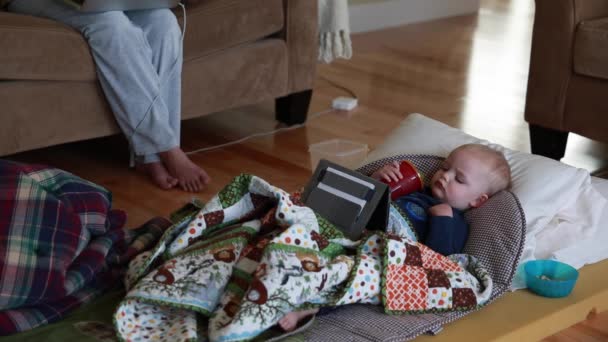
[347,153]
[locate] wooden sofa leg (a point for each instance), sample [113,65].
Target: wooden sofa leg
[548,142]
[293,108]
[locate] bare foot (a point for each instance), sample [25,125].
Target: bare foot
[291,320]
[190,176]
[159,175]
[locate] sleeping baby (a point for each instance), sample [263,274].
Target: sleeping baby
[469,176]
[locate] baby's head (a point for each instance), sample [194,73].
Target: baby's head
[470,175]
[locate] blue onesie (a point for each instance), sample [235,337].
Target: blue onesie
[445,235]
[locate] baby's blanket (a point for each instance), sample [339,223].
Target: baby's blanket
[253,254]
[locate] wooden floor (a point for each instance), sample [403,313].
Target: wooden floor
[469,72]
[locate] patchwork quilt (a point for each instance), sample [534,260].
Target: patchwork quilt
[231,270]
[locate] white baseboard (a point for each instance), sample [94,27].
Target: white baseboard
[378,15]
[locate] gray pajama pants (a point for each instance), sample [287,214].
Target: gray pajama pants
[138,55]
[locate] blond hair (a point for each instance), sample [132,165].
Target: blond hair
[500,171]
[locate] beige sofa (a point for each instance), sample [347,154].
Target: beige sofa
[568,82]
[236,52]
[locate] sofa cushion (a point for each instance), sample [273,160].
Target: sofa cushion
[591,48]
[213,25]
[40,49]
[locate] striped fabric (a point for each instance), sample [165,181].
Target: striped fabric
[61,245]
[496,238]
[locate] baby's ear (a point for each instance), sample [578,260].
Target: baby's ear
[479,201]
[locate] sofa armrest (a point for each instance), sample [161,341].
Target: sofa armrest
[301,34]
[551,60]
[589,9]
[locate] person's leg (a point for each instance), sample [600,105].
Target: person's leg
[126,74]
[124,64]
[164,37]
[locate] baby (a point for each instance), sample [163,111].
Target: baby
[469,176]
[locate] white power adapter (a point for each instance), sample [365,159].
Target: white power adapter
[344,103]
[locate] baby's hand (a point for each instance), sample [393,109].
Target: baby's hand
[389,172]
[441,210]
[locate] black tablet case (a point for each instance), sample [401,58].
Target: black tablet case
[348,199]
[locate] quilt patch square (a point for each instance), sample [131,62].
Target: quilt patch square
[434,260]
[406,288]
[440,298]
[413,256]
[259,200]
[366,285]
[216,217]
[438,278]
[464,298]
[459,279]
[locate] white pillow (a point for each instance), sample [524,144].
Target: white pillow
[545,187]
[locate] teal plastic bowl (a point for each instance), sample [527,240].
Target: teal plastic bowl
[550,278]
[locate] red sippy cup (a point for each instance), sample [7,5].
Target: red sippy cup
[411,181]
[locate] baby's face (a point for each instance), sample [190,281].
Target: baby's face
[462,179]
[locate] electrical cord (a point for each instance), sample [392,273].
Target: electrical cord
[261,134]
[282,129]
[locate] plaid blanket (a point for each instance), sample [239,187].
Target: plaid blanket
[61,245]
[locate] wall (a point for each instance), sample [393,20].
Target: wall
[370,15]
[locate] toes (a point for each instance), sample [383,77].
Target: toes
[166,182]
[184,186]
[204,177]
[195,185]
[172,181]
[187,175]
[189,186]
[199,186]
[156,173]
[162,183]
